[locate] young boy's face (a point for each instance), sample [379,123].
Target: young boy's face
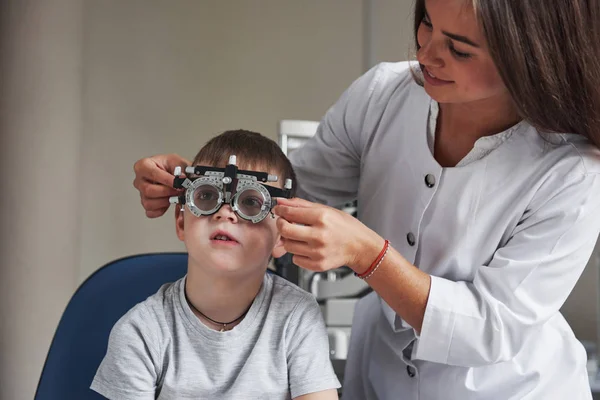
[249,246]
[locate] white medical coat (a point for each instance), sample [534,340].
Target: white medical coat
[505,235]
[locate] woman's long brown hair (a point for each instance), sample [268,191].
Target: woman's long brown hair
[548,55]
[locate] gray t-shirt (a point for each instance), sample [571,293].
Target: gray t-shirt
[161,350]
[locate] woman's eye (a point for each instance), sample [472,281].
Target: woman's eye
[458,53]
[425,21]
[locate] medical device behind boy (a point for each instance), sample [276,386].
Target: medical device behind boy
[208,188]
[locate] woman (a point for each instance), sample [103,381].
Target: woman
[480,166]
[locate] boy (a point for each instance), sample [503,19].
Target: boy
[228,330]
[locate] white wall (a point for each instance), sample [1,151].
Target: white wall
[165,76]
[88,87]
[40,125]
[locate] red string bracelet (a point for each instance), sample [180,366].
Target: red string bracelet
[371,270]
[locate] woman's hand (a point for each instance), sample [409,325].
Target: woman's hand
[331,238]
[327,238]
[154,180]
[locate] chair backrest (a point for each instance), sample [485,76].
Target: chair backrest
[81,338]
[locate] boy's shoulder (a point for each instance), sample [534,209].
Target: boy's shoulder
[151,313]
[291,303]
[289,294]
[163,300]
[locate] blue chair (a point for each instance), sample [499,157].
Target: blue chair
[81,338]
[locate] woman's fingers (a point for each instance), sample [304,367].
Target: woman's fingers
[153,190]
[157,170]
[300,215]
[304,255]
[297,247]
[307,263]
[155,204]
[156,213]
[155,198]
[148,170]
[301,233]
[170,161]
[298,202]
[154,180]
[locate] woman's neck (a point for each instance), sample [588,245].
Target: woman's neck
[478,119]
[459,126]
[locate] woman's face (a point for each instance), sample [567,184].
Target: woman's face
[456,64]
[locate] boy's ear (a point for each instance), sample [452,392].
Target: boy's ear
[179,222]
[278,250]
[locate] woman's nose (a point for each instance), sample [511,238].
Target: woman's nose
[429,54]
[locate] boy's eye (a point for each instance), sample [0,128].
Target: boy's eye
[206,196]
[251,202]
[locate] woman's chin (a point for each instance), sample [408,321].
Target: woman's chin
[438,94]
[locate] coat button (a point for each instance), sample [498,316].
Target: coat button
[410,238]
[430,180]
[410,371]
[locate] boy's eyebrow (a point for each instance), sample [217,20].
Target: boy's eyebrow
[454,36]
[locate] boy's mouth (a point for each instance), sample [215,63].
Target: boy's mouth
[222,236]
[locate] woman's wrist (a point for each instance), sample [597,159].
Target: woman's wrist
[367,252]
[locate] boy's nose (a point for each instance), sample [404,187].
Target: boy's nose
[225,212]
